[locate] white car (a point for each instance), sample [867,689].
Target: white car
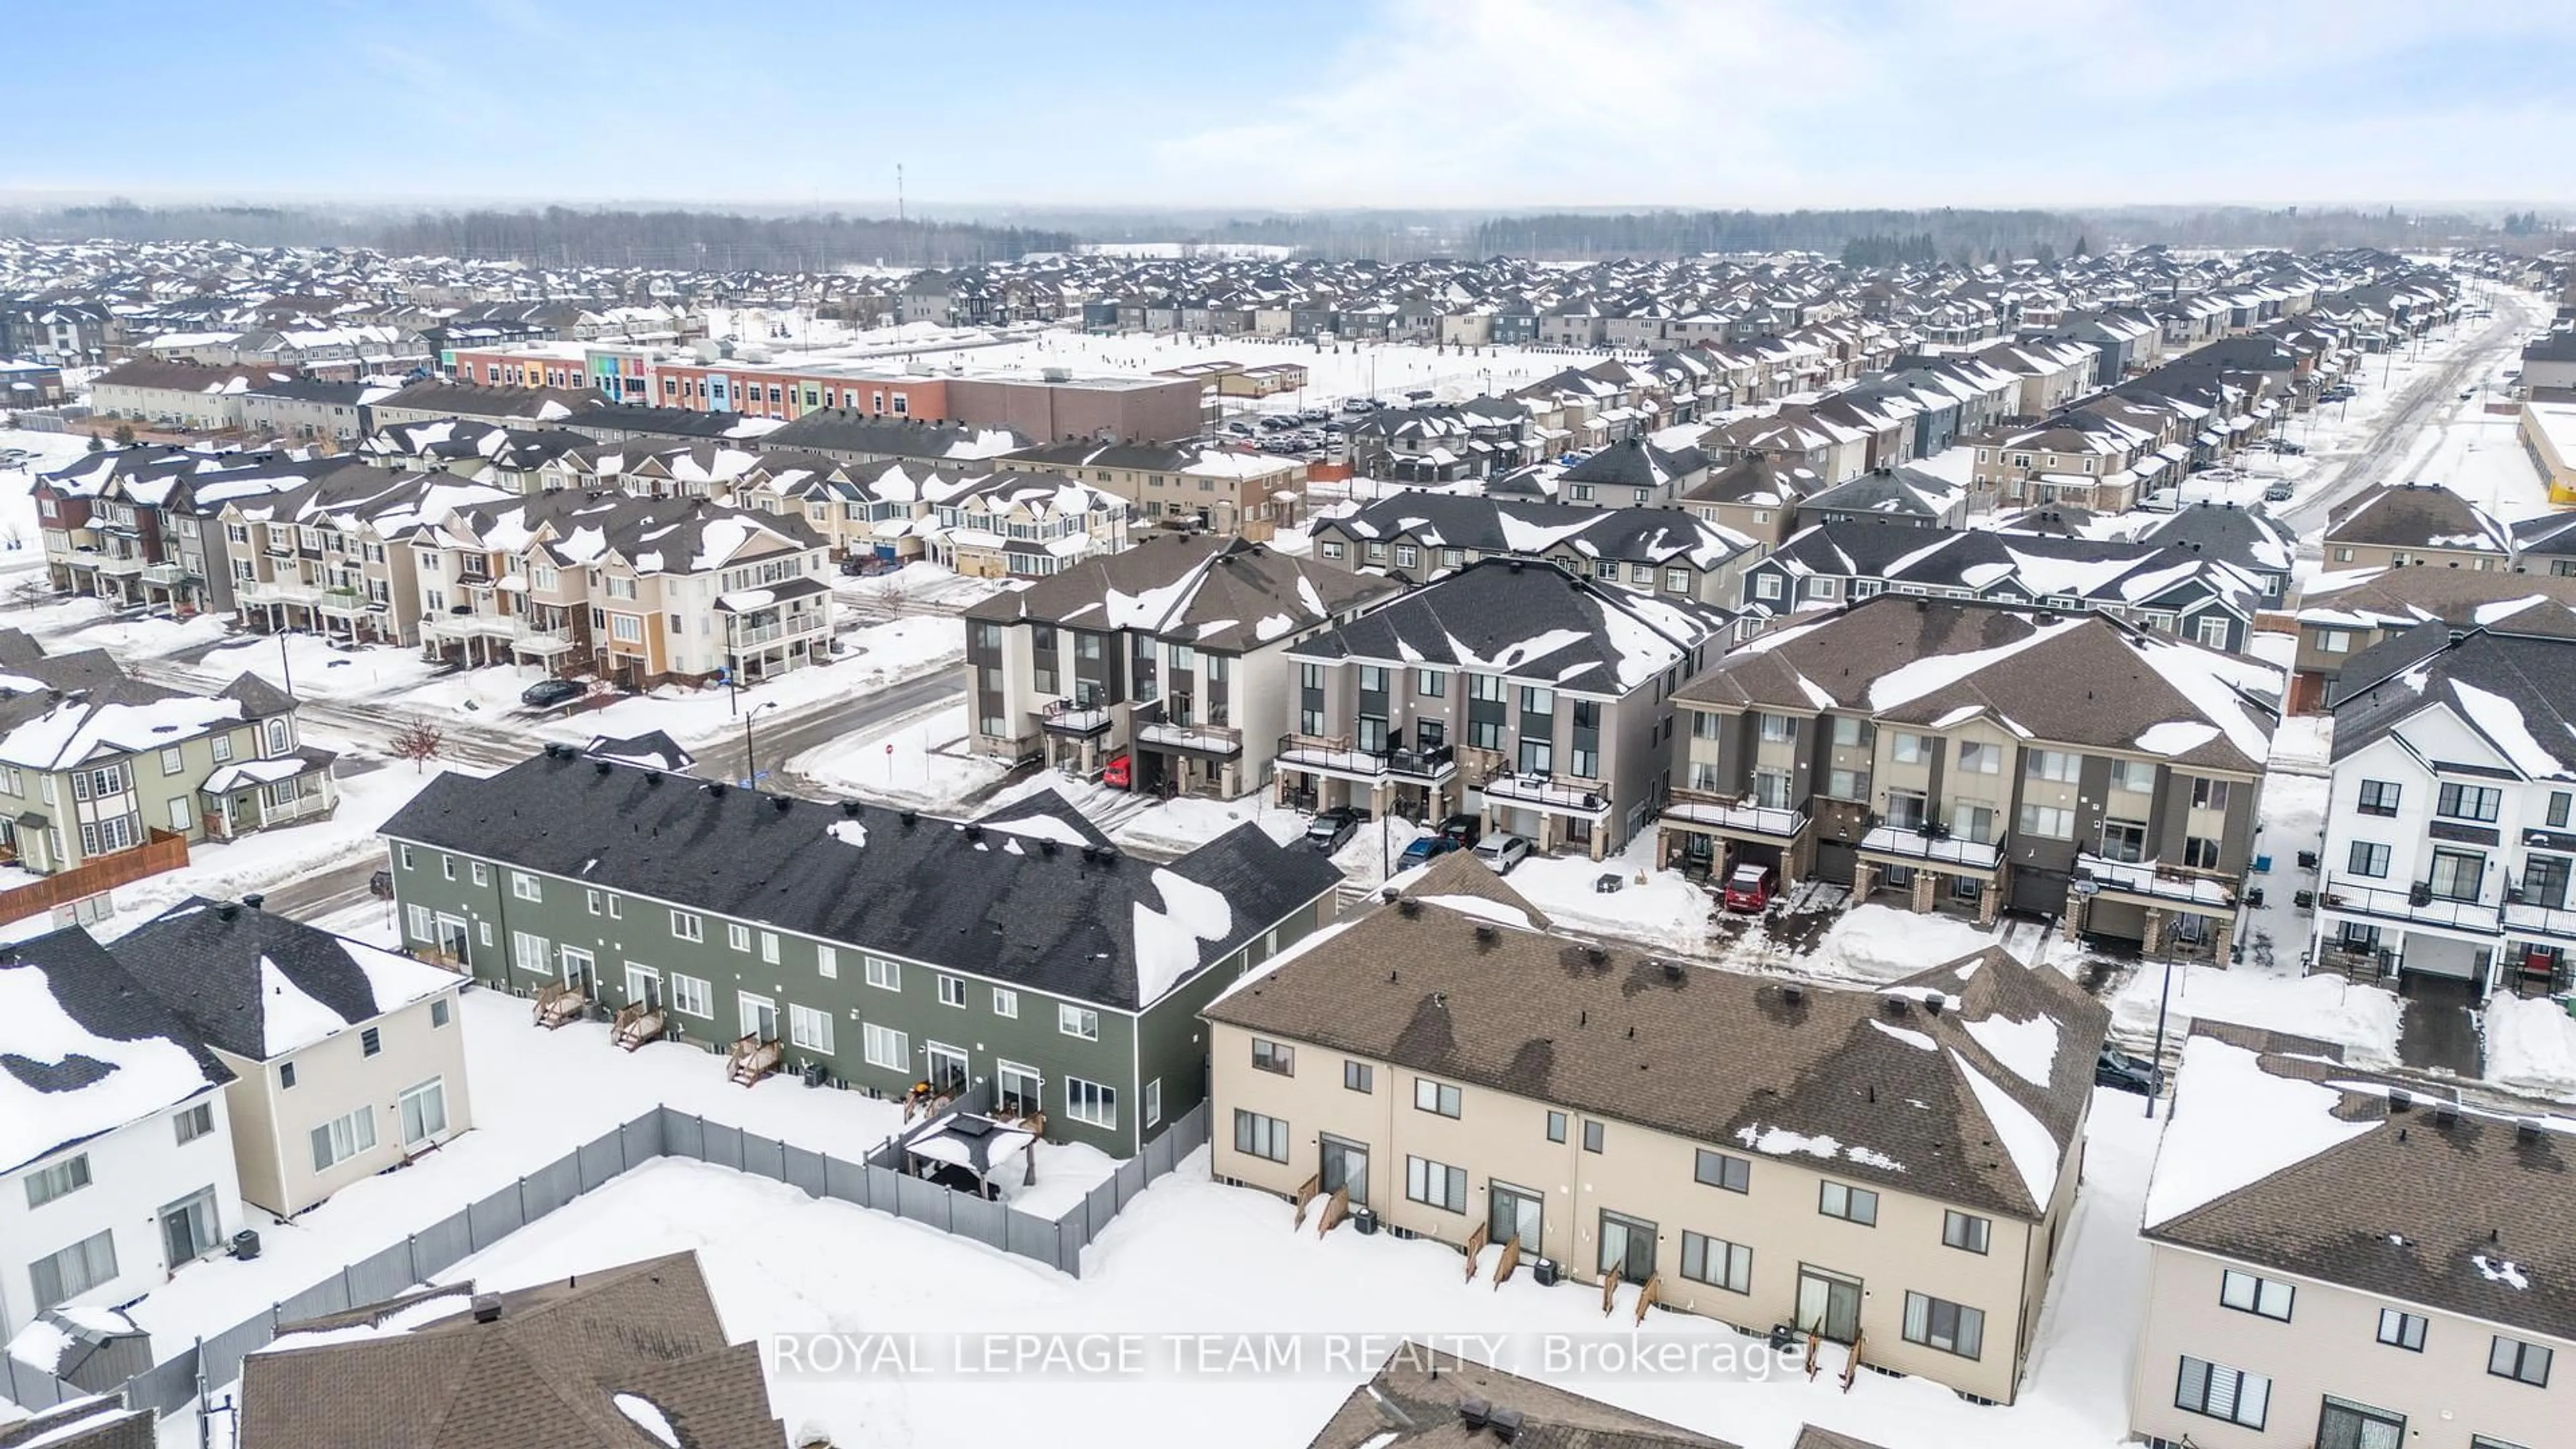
[1503,850]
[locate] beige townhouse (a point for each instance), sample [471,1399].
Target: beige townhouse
[1226,490]
[1889,1169]
[1957,756]
[330,555]
[2415,525]
[2341,1260]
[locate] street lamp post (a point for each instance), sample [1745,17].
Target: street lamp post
[750,761]
[2156,1066]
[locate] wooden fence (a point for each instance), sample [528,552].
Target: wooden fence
[162,851]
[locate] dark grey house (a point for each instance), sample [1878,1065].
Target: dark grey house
[887,947]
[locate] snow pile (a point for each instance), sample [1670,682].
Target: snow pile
[1168,941]
[2363,1020]
[2500,1270]
[402,1320]
[1781,1142]
[2530,1046]
[122,1081]
[1877,943]
[849,832]
[2234,1124]
[2176,737]
[1912,1038]
[2501,721]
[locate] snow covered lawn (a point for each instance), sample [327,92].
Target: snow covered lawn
[2362,1019]
[1189,1255]
[2531,1046]
[921,761]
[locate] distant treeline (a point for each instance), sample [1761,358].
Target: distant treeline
[250,226]
[1576,235]
[710,240]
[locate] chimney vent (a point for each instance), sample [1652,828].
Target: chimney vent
[487,1307]
[253,900]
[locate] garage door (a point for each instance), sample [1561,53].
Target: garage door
[1835,862]
[2440,956]
[2040,892]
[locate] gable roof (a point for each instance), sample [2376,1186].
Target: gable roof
[1103,929]
[2460,1210]
[1489,525]
[1938,663]
[2244,537]
[1208,591]
[261,986]
[1530,621]
[1413,1403]
[2418,515]
[603,1361]
[85,1049]
[2516,691]
[1805,1073]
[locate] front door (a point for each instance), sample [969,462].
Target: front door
[1828,1304]
[1345,1165]
[453,939]
[2345,1425]
[1627,1247]
[947,1069]
[1516,1212]
[188,1227]
[759,1017]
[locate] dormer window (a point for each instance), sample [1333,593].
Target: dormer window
[281,736]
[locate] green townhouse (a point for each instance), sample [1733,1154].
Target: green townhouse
[887,947]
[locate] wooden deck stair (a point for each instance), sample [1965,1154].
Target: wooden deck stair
[752,1058]
[558,1003]
[637,1024]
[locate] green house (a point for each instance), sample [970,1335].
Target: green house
[889,947]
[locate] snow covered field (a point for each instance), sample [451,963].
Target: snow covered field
[922,761]
[1191,1256]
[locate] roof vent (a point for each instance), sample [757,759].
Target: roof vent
[1672,970]
[2445,1113]
[782,802]
[1472,1412]
[1931,1006]
[2400,1100]
[253,901]
[1046,846]
[850,808]
[487,1307]
[2528,1130]
[602,766]
[1895,1006]
[1792,992]
[1487,933]
[1597,955]
[909,818]
[713,787]
[1506,1424]
[652,777]
[227,910]
[1408,907]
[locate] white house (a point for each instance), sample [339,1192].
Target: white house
[2451,831]
[346,1059]
[114,1136]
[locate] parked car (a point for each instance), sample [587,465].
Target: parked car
[2277,493]
[1749,889]
[2124,1073]
[1424,850]
[1118,774]
[1330,830]
[1463,828]
[547,693]
[1502,850]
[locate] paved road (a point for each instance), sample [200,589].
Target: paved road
[779,736]
[2425,404]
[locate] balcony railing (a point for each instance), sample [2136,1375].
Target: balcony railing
[2162,882]
[1558,794]
[122,563]
[2417,905]
[2536,918]
[1061,717]
[1337,755]
[1726,812]
[1206,739]
[167,574]
[1943,848]
[270,591]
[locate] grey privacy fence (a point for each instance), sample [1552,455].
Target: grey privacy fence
[168,1386]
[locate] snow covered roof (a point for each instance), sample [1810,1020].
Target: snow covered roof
[1092,927]
[261,986]
[85,1048]
[2517,692]
[2277,1155]
[1963,1083]
[1203,590]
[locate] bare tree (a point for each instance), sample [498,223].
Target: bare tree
[418,742]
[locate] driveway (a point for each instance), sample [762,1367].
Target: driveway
[2438,1028]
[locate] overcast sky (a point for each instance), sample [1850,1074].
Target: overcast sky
[1317,103]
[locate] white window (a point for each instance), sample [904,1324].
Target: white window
[75,1270]
[57,1179]
[173,759]
[952,991]
[2223,1393]
[693,995]
[181,816]
[1949,1327]
[531,952]
[1153,1101]
[687,927]
[626,628]
[199,1120]
[1716,1262]
[1435,1097]
[421,928]
[738,937]
[2401,1329]
[1905,749]
[2248,1294]
[1006,1002]
[1965,1231]
[1851,1204]
[769,947]
[1258,1136]
[809,1029]
[423,1110]
[482,873]
[827,963]
[1435,1184]
[1090,1102]
[886,1047]
[1078,1021]
[2048,822]
[338,1141]
[885,975]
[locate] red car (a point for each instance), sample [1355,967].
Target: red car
[1116,774]
[1749,888]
